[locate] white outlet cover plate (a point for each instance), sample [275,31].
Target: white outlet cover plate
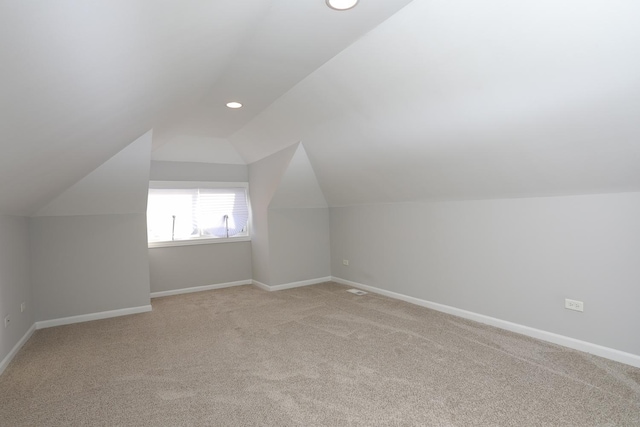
[357,292]
[572,304]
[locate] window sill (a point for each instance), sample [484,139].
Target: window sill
[198,242]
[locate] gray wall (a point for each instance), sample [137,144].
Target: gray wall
[513,259]
[299,244]
[289,243]
[264,177]
[15,284]
[88,264]
[188,171]
[90,256]
[179,267]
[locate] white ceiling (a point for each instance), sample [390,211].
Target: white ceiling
[290,40]
[444,100]
[81,80]
[469,100]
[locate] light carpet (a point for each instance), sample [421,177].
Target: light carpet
[312,356]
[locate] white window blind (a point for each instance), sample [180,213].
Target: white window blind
[178,214]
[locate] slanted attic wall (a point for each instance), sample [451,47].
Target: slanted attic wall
[264,177]
[89,246]
[298,225]
[290,239]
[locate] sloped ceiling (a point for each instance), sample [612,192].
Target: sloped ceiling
[118,186]
[467,100]
[298,187]
[81,80]
[443,100]
[290,40]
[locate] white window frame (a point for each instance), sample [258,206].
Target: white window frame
[176,185]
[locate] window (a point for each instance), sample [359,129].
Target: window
[196,212]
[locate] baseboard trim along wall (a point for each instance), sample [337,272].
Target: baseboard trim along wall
[292,284]
[91,316]
[587,347]
[200,288]
[9,357]
[261,285]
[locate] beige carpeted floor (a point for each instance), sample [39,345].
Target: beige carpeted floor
[306,357]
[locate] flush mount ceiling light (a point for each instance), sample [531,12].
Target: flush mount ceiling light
[341,4]
[234,104]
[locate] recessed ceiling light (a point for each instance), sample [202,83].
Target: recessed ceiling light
[341,4]
[234,104]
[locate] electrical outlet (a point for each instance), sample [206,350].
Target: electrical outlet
[571,304]
[345,262]
[23,307]
[7,321]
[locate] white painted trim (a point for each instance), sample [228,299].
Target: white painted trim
[587,347]
[301,283]
[92,316]
[199,288]
[292,284]
[199,241]
[261,285]
[9,357]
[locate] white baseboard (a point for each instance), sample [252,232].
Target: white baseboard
[199,288]
[92,316]
[292,284]
[261,285]
[587,347]
[9,357]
